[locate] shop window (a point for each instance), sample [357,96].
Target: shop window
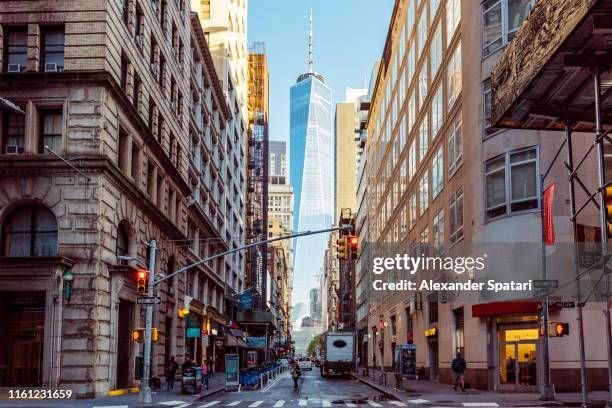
[14,133]
[16,49]
[30,231]
[53,49]
[50,131]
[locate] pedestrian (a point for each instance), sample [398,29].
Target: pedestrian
[458,366]
[211,365]
[187,363]
[171,368]
[296,373]
[205,372]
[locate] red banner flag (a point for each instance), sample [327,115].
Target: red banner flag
[549,226]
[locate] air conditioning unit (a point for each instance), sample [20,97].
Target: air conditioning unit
[13,68]
[12,149]
[50,67]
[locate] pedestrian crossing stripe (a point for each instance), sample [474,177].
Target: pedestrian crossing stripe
[326,403]
[233,404]
[480,404]
[256,404]
[171,403]
[303,403]
[111,406]
[210,404]
[374,404]
[418,401]
[397,403]
[279,403]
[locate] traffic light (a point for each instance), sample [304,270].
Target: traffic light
[141,281]
[342,248]
[561,329]
[354,242]
[609,210]
[138,335]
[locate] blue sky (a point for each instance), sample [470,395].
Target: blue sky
[349,36]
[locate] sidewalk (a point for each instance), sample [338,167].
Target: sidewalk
[440,393]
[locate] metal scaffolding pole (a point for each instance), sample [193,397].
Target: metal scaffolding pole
[603,220]
[570,168]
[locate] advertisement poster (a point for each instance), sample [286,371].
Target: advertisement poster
[232,370]
[251,359]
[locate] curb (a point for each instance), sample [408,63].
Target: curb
[378,388]
[208,394]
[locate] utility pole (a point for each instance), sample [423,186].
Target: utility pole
[144,397]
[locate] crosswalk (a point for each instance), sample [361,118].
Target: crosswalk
[319,403]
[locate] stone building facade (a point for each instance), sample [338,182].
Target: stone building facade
[125,93]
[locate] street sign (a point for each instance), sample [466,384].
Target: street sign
[148,300]
[563,305]
[541,284]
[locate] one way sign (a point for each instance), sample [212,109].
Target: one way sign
[149,300]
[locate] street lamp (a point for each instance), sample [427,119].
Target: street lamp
[68,277]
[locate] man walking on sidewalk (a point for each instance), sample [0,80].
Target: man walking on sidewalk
[458,366]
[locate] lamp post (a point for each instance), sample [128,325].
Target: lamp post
[68,278]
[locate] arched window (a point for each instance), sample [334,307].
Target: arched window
[30,231]
[122,240]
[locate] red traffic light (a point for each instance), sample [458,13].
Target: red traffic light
[142,274]
[354,241]
[141,281]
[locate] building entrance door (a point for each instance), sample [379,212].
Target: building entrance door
[518,359]
[124,343]
[22,314]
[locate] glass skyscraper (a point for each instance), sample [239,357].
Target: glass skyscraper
[311,173]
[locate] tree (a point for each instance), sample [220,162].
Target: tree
[313,344]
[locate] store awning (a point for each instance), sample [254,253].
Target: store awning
[233,341]
[504,308]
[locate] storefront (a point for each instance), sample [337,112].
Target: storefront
[515,353]
[431,335]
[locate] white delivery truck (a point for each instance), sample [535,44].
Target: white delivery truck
[337,353]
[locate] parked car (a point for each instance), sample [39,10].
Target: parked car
[284,362]
[305,363]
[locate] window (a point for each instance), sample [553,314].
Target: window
[122,248]
[411,160]
[164,16]
[51,131]
[137,90]
[124,72]
[437,172]
[30,231]
[424,192]
[403,176]
[424,242]
[423,139]
[437,112]
[436,51]
[453,15]
[125,11]
[459,330]
[16,50]
[135,169]
[410,115]
[438,233]
[422,30]
[456,216]
[53,49]
[14,133]
[422,85]
[433,308]
[455,146]
[151,178]
[453,72]
[410,61]
[512,183]
[501,20]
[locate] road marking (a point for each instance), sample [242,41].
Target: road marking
[418,401]
[279,404]
[256,404]
[183,405]
[397,403]
[171,403]
[210,404]
[480,404]
[325,403]
[374,404]
[233,404]
[303,403]
[349,404]
[110,406]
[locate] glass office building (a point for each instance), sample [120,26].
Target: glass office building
[312,176]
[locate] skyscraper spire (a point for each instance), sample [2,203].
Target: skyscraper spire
[310,60]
